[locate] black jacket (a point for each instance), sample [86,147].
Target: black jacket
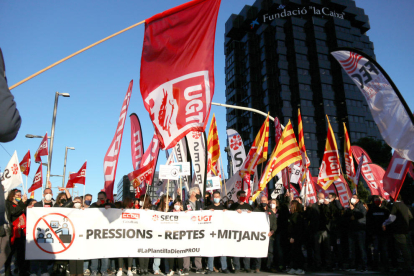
[319,217]
[198,203]
[94,205]
[296,228]
[14,213]
[10,120]
[375,217]
[356,218]
[272,217]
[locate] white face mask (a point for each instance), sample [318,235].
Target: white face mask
[141,203]
[273,206]
[48,197]
[77,205]
[353,201]
[177,207]
[321,201]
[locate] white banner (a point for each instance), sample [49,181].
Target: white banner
[388,108]
[198,151]
[72,234]
[237,151]
[12,177]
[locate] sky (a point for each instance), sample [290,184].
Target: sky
[35,34]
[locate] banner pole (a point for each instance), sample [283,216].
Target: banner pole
[83,199]
[181,186]
[26,186]
[166,198]
[224,178]
[74,54]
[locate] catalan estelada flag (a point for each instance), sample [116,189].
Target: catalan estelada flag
[286,153]
[213,146]
[256,152]
[349,161]
[330,168]
[305,160]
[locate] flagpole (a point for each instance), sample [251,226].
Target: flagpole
[74,54]
[145,196]
[166,198]
[181,186]
[26,186]
[224,179]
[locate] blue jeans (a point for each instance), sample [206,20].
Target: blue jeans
[236,262]
[104,265]
[210,263]
[356,239]
[36,265]
[156,265]
[86,265]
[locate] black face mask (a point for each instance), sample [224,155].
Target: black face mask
[198,196]
[263,204]
[63,201]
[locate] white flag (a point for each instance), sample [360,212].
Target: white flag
[12,176]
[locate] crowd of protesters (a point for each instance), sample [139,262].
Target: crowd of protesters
[318,237]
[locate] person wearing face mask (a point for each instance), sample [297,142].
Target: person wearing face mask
[229,203]
[128,203]
[356,219]
[335,233]
[176,208]
[63,199]
[88,201]
[102,202]
[296,233]
[319,225]
[281,244]
[145,204]
[16,208]
[264,207]
[76,266]
[216,205]
[193,203]
[238,207]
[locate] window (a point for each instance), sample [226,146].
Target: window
[344,43]
[283,73]
[230,74]
[280,43]
[301,57]
[320,42]
[282,57]
[286,104]
[300,42]
[308,119]
[328,103]
[279,29]
[306,103]
[323,57]
[298,29]
[325,72]
[285,88]
[303,72]
[342,29]
[318,29]
[304,87]
[327,87]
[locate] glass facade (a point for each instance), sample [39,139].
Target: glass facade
[278,60]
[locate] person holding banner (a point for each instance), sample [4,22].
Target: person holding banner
[193,203]
[177,207]
[15,205]
[239,206]
[63,199]
[47,199]
[128,203]
[216,205]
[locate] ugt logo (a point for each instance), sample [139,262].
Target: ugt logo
[179,102]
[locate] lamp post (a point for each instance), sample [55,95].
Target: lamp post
[52,134]
[64,165]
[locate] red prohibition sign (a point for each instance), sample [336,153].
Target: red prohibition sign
[53,231]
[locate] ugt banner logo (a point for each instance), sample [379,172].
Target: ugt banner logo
[179,104]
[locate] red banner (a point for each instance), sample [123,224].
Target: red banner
[42,150]
[358,151]
[145,173]
[137,144]
[111,156]
[373,175]
[37,180]
[343,191]
[25,164]
[395,175]
[151,154]
[177,69]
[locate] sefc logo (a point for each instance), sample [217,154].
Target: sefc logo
[155,217]
[130,216]
[180,104]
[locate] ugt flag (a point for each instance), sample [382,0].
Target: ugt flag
[177,69]
[388,108]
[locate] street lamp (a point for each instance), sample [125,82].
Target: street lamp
[64,165]
[52,134]
[34,136]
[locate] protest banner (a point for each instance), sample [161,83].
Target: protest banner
[69,234]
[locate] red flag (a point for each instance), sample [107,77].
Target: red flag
[38,179]
[25,164]
[395,175]
[79,177]
[344,193]
[42,150]
[151,154]
[137,144]
[145,173]
[179,47]
[70,183]
[358,151]
[284,173]
[111,156]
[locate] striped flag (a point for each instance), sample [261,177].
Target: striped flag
[330,168]
[256,152]
[305,163]
[349,161]
[213,147]
[266,142]
[286,153]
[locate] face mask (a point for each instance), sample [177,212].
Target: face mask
[321,201]
[228,205]
[177,207]
[198,196]
[353,201]
[263,204]
[273,206]
[169,204]
[63,201]
[217,200]
[141,203]
[250,202]
[48,197]
[18,199]
[242,198]
[102,202]
[88,202]
[77,205]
